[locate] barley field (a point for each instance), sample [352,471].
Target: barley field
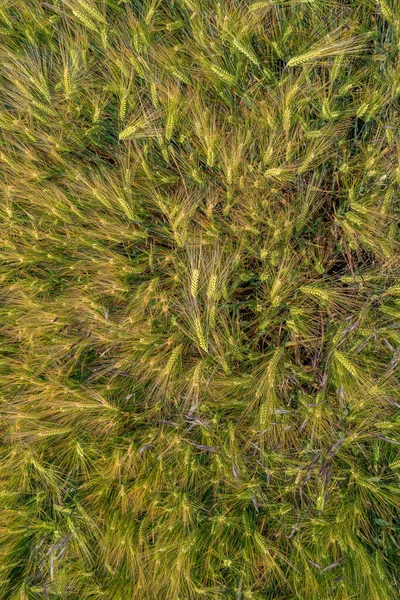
[200,300]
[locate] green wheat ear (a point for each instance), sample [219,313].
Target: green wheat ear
[199,267]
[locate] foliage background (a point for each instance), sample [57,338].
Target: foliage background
[200,299]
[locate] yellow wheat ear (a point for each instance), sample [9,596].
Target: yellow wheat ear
[332,48]
[200,334]
[212,286]
[260,5]
[141,127]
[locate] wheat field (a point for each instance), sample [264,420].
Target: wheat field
[200,300]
